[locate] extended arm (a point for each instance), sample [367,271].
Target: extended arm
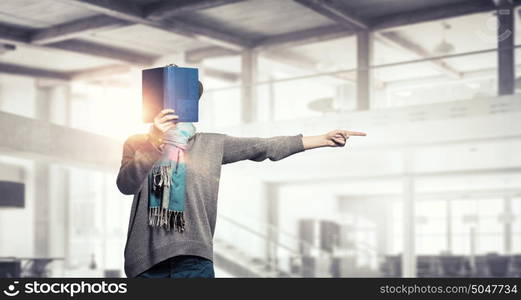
[259,149]
[279,147]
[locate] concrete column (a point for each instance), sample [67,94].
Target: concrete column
[271,110]
[507,226]
[409,224]
[249,63]
[64,188]
[409,216]
[42,182]
[67,109]
[272,218]
[59,218]
[52,183]
[42,209]
[43,103]
[506,51]
[345,99]
[2,98]
[448,204]
[363,79]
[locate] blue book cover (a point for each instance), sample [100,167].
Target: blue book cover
[171,87]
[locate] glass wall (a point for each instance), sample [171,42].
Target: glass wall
[516,224]
[466,226]
[98,220]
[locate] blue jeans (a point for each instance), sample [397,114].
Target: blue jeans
[183,266]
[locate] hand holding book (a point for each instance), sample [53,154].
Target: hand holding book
[163,122]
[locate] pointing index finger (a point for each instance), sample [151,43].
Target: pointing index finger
[356,133]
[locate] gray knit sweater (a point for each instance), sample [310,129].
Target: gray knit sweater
[206,152]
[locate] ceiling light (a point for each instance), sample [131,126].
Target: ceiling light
[323,105]
[444,47]
[6,48]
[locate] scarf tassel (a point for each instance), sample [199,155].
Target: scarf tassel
[161,217]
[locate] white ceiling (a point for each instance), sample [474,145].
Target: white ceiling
[39,13]
[53,59]
[255,19]
[468,33]
[146,40]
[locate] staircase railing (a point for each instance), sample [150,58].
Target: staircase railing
[291,253]
[267,266]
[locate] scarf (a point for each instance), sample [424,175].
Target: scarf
[167,180]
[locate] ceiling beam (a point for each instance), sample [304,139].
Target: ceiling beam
[197,55]
[13,34]
[124,10]
[286,57]
[129,11]
[74,29]
[104,51]
[399,41]
[439,80]
[113,70]
[22,36]
[32,72]
[303,37]
[217,37]
[98,72]
[221,75]
[166,9]
[296,61]
[286,40]
[336,13]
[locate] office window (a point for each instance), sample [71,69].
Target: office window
[463,218]
[98,221]
[431,227]
[395,243]
[365,238]
[516,225]
[476,225]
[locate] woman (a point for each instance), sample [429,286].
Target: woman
[173,173]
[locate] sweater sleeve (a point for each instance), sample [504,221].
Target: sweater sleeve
[258,149]
[139,156]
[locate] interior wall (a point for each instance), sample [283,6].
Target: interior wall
[18,95]
[16,224]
